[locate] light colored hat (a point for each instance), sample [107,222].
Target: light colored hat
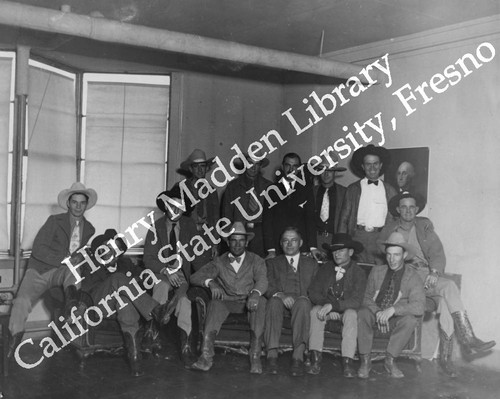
[197,156]
[397,239]
[77,188]
[239,228]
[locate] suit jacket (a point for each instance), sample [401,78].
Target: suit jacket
[211,202]
[151,250]
[251,275]
[349,212]
[411,296]
[427,238]
[277,271]
[354,287]
[52,241]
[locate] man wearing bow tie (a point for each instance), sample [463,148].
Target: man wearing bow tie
[337,291]
[237,281]
[364,211]
[289,277]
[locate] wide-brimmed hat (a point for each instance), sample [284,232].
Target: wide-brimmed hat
[341,241]
[197,156]
[394,202]
[324,166]
[239,163]
[77,188]
[239,228]
[102,239]
[360,154]
[174,192]
[397,239]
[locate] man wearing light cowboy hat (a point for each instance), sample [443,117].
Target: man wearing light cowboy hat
[60,237]
[394,300]
[364,211]
[248,208]
[237,281]
[337,290]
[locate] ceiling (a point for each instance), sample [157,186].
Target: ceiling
[288,25]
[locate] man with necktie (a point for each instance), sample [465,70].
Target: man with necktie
[337,293]
[237,281]
[289,277]
[60,237]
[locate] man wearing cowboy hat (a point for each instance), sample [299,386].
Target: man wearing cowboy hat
[239,206]
[207,210]
[364,210]
[429,261]
[394,300]
[337,292]
[60,237]
[237,280]
[323,208]
[289,277]
[161,255]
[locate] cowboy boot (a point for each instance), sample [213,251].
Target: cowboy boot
[205,361]
[445,354]
[315,366]
[71,297]
[132,343]
[14,341]
[391,367]
[151,342]
[186,352]
[254,353]
[365,366]
[347,364]
[466,337]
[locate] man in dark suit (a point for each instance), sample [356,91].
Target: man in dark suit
[289,276]
[59,238]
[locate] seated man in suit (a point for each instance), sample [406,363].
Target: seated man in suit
[394,300]
[237,281]
[289,276]
[337,291]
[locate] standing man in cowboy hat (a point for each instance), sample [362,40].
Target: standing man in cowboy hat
[429,261]
[337,292]
[60,237]
[289,277]
[248,205]
[364,211]
[323,208]
[394,300]
[237,281]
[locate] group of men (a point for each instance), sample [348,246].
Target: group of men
[298,258]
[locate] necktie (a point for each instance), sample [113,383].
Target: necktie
[172,241]
[373,182]
[74,243]
[325,207]
[253,205]
[340,273]
[388,299]
[291,264]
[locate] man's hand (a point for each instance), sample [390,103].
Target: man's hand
[319,255]
[216,290]
[324,311]
[288,301]
[334,316]
[271,254]
[431,281]
[383,317]
[253,301]
[174,279]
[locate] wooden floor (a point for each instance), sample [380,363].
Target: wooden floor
[108,377]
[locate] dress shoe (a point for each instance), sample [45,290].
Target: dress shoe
[272,365]
[391,367]
[297,368]
[347,365]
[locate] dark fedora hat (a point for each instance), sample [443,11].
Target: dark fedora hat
[360,154]
[324,166]
[174,192]
[239,163]
[394,202]
[109,234]
[342,240]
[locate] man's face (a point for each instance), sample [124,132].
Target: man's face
[291,243]
[109,257]
[290,165]
[327,178]
[372,166]
[177,212]
[404,174]
[253,171]
[199,170]
[407,209]
[395,257]
[342,256]
[237,244]
[77,205]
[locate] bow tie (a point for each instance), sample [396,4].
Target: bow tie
[234,259]
[373,182]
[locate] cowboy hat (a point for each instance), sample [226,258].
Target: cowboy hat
[397,239]
[77,188]
[394,202]
[252,159]
[197,156]
[360,154]
[324,166]
[174,192]
[341,241]
[239,228]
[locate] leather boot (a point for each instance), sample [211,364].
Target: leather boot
[254,353]
[205,361]
[151,342]
[445,354]
[466,337]
[186,352]
[71,296]
[14,341]
[315,366]
[391,367]
[347,365]
[133,343]
[365,366]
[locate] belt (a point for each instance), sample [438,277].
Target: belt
[368,229]
[324,233]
